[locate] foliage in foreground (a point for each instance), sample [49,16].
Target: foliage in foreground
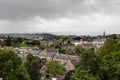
[11,66]
[32,67]
[105,63]
[81,74]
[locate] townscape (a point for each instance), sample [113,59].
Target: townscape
[66,50]
[59,39]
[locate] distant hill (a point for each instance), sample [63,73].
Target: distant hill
[28,36]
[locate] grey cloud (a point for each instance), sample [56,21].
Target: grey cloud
[20,16]
[18,9]
[26,8]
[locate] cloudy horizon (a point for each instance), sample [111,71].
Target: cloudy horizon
[77,17]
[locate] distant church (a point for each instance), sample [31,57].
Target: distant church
[104,33]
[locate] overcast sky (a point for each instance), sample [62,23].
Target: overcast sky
[89,17]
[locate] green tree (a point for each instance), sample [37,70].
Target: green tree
[104,63]
[79,50]
[111,45]
[55,68]
[8,41]
[16,42]
[32,67]
[69,42]
[110,67]
[110,58]
[62,50]
[88,38]
[11,66]
[21,73]
[41,47]
[35,42]
[90,61]
[81,74]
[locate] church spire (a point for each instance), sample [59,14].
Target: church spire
[104,33]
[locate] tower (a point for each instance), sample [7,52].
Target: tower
[104,33]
